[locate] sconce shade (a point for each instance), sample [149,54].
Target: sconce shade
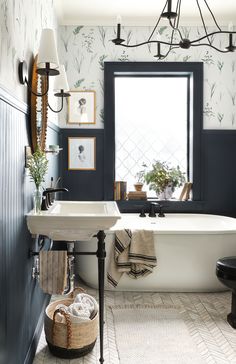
[47,55]
[60,81]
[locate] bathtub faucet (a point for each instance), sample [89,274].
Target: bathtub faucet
[152,212]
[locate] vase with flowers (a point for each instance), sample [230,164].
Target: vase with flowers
[38,166]
[163,179]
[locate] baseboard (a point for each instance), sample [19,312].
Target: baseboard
[37,333]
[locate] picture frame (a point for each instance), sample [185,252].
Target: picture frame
[82,153]
[82,107]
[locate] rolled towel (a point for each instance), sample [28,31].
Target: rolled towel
[88,301]
[59,317]
[78,312]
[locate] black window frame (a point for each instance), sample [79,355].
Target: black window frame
[194,71]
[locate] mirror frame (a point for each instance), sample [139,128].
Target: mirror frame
[38,140]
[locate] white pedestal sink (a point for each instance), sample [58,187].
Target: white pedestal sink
[74,220]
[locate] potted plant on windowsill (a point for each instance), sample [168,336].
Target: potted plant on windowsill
[38,166]
[140,178]
[163,179]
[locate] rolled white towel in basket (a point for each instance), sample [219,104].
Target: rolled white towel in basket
[83,309]
[88,301]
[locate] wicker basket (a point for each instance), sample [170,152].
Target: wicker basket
[69,340]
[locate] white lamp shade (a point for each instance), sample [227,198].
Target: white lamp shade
[47,50]
[60,81]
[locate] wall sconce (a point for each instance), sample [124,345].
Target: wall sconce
[47,63]
[60,85]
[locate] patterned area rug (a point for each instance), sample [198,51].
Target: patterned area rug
[153,334]
[203,313]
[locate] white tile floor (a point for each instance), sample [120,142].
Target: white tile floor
[215,338]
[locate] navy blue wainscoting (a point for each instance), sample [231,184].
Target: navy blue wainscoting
[22,302]
[83,185]
[216,175]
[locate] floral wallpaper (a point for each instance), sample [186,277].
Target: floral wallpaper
[83,50]
[21,22]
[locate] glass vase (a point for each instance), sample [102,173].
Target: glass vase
[37,200]
[166,194]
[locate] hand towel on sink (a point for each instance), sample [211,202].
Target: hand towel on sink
[53,271]
[133,253]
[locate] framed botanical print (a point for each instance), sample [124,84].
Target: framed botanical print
[82,153]
[82,107]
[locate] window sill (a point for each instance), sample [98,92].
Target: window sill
[168,206]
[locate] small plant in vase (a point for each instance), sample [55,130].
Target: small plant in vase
[140,177]
[163,179]
[38,166]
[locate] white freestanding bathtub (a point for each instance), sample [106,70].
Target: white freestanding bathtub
[187,247]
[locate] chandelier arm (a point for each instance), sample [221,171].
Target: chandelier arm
[176,26]
[203,22]
[209,45]
[178,11]
[157,23]
[164,56]
[213,17]
[176,20]
[176,29]
[212,33]
[148,42]
[171,49]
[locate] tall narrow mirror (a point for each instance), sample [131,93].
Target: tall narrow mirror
[38,110]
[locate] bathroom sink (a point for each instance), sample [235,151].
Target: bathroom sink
[74,220]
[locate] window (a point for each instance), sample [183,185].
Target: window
[151,123]
[168,129]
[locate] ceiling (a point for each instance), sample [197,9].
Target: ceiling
[134,12]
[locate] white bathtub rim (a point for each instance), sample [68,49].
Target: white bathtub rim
[154,224]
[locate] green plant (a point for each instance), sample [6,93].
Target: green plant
[162,176]
[38,166]
[140,176]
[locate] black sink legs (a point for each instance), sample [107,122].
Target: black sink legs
[101,254]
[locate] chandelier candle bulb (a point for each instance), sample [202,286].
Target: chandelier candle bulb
[118,26]
[118,19]
[231,27]
[169,6]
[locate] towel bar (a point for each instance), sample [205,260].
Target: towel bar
[32,253]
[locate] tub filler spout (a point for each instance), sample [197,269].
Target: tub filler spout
[152,211]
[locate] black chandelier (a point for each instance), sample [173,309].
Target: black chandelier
[173,17]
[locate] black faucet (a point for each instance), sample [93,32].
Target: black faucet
[47,197]
[161,213]
[152,212]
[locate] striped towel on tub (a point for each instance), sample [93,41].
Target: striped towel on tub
[133,253]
